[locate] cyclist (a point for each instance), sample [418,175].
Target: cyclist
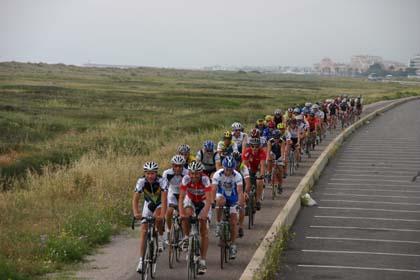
[226,147]
[332,109]
[260,125]
[312,127]
[294,139]
[255,133]
[228,182]
[155,201]
[359,105]
[276,152]
[208,157]
[278,116]
[288,116]
[194,197]
[254,158]
[246,183]
[267,134]
[172,179]
[285,135]
[344,108]
[185,151]
[238,136]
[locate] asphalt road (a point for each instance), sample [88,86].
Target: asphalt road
[118,260]
[367,224]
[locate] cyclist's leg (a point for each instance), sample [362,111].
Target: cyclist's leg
[220,202]
[143,227]
[242,210]
[204,234]
[260,186]
[233,223]
[189,208]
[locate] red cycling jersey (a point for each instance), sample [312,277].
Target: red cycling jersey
[312,123]
[196,191]
[254,158]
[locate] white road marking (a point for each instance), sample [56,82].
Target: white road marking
[369,201]
[370,195]
[358,268]
[372,185]
[372,190]
[363,239]
[368,209]
[367,218]
[361,253]
[364,228]
[371,180]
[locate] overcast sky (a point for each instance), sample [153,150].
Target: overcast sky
[196,33]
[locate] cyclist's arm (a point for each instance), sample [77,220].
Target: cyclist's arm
[182,194]
[268,150]
[135,205]
[164,201]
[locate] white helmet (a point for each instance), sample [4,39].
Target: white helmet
[236,126]
[195,166]
[178,160]
[150,166]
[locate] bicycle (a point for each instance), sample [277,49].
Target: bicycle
[175,236]
[292,160]
[150,248]
[277,164]
[224,235]
[193,253]
[251,204]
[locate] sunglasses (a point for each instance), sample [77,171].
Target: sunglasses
[255,146]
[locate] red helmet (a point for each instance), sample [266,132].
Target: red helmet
[255,133]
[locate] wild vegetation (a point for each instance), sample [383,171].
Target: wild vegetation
[73,140]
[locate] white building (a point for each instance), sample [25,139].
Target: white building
[415,63]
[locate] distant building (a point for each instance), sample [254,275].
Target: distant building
[394,65]
[361,63]
[415,63]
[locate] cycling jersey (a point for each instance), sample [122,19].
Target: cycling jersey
[254,158]
[196,192]
[278,120]
[276,149]
[226,151]
[228,185]
[172,181]
[152,191]
[343,106]
[267,133]
[332,108]
[239,140]
[294,132]
[208,160]
[188,160]
[312,122]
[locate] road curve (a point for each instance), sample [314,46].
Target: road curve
[367,224]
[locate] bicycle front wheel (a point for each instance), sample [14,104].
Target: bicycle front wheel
[172,247]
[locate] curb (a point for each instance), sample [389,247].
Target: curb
[289,212]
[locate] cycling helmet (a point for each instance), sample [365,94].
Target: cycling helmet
[260,122]
[271,124]
[236,126]
[208,145]
[229,162]
[268,118]
[254,141]
[290,110]
[255,133]
[278,112]
[276,134]
[281,126]
[184,149]
[315,107]
[178,160]
[227,135]
[296,110]
[195,166]
[150,166]
[308,104]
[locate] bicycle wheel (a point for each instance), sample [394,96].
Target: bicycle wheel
[222,251]
[178,237]
[273,189]
[172,247]
[251,210]
[146,260]
[153,257]
[190,261]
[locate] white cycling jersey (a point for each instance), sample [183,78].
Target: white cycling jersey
[171,181]
[239,140]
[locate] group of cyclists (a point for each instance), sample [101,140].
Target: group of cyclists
[224,174]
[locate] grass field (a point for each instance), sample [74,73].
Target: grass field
[72,143]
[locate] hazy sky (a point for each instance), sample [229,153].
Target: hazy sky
[196,33]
